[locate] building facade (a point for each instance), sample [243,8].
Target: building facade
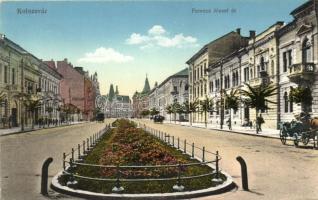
[19,75]
[49,82]
[141,100]
[175,88]
[206,56]
[284,55]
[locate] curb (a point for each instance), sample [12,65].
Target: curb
[225,187]
[237,132]
[26,131]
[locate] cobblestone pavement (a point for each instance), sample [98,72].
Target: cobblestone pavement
[22,156]
[276,172]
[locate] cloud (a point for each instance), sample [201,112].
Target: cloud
[158,36]
[105,55]
[156,30]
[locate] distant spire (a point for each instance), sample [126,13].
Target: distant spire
[111,93]
[146,86]
[117,90]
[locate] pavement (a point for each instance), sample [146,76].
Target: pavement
[22,157]
[16,130]
[266,132]
[275,171]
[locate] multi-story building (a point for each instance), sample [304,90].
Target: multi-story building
[206,56]
[172,89]
[19,74]
[72,88]
[298,59]
[284,55]
[49,82]
[141,100]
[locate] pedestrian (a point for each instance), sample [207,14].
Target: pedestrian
[259,122]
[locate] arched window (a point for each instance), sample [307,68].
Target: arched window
[285,102]
[306,51]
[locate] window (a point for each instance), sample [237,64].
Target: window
[262,63]
[285,102]
[237,78]
[272,68]
[201,90]
[291,103]
[290,58]
[204,88]
[306,51]
[284,62]
[201,71]
[204,68]
[5,74]
[217,108]
[13,76]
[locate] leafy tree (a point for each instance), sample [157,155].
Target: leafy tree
[176,108]
[154,111]
[257,97]
[145,113]
[190,108]
[206,106]
[169,110]
[303,96]
[231,101]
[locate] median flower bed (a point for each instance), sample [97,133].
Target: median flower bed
[127,145]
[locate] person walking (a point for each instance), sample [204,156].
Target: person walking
[259,122]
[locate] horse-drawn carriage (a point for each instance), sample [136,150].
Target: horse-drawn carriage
[302,130]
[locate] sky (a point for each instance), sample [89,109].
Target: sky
[125,41]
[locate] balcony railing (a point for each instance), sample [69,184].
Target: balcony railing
[301,72]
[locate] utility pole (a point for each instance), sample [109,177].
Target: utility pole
[21,98]
[221,94]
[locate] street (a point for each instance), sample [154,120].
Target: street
[275,171]
[22,156]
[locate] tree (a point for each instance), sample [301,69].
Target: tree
[190,108]
[145,113]
[206,106]
[169,110]
[257,97]
[303,96]
[231,101]
[154,111]
[176,108]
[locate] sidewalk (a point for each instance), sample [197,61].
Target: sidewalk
[29,128]
[270,133]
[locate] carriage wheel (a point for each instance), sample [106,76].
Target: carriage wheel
[282,137]
[296,139]
[305,138]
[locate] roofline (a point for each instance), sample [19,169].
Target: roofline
[301,7]
[206,46]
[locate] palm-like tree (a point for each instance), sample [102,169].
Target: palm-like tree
[206,106]
[231,101]
[190,108]
[257,97]
[176,108]
[169,110]
[154,111]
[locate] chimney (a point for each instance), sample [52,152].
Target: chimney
[238,31]
[252,34]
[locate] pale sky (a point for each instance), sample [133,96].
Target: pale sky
[125,40]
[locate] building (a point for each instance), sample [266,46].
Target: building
[175,88]
[19,76]
[283,55]
[206,56]
[49,82]
[141,100]
[298,59]
[117,106]
[72,89]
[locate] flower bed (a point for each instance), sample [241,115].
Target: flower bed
[127,145]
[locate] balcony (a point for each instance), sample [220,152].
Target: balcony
[301,72]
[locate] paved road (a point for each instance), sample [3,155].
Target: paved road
[22,156]
[276,172]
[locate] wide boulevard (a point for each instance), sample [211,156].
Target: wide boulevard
[275,171]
